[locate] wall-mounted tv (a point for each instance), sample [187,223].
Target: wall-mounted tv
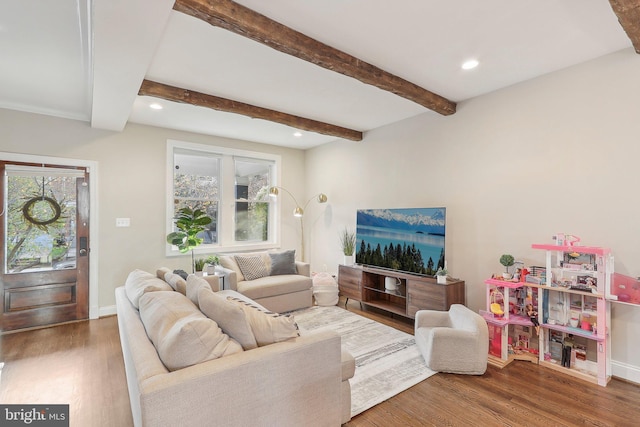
[410,240]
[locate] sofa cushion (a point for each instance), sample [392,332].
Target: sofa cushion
[173,279]
[268,327]
[162,271]
[252,267]
[176,282]
[274,285]
[283,263]
[194,283]
[139,282]
[181,334]
[229,316]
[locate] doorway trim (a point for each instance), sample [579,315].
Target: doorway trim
[92,168]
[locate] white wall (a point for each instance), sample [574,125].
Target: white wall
[132,185]
[555,154]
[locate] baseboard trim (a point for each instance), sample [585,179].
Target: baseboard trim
[625,371]
[107,311]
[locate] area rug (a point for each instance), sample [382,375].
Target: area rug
[387,360]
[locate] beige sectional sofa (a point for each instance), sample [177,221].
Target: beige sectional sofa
[290,289]
[303,380]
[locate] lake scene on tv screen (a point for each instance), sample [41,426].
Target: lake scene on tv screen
[410,239]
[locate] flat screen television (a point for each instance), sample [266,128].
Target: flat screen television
[409,240]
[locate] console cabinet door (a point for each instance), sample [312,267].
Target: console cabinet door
[424,295]
[349,280]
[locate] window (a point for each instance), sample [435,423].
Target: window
[232,186]
[253,179]
[196,180]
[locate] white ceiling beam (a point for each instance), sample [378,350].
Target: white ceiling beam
[125,36]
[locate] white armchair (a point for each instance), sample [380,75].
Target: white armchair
[455,341]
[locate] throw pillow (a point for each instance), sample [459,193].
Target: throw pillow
[283,263]
[268,327]
[181,334]
[228,316]
[176,282]
[181,273]
[193,284]
[252,267]
[139,282]
[161,272]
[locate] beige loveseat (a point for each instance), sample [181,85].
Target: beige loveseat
[290,289]
[299,381]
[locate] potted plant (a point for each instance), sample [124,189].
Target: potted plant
[189,223]
[212,261]
[507,260]
[198,265]
[441,275]
[348,243]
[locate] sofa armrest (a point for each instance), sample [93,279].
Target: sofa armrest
[277,384]
[303,268]
[432,319]
[230,278]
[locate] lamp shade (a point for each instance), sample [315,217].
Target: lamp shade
[298,211]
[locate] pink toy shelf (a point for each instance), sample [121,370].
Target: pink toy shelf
[625,289]
[573,248]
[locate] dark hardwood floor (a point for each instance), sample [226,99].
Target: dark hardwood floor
[81,364]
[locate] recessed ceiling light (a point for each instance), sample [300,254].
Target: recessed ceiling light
[155,106]
[470,64]
[297,134]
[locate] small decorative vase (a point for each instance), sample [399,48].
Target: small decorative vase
[348,260]
[442,280]
[507,276]
[390,283]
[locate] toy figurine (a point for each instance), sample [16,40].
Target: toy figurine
[566,351]
[533,315]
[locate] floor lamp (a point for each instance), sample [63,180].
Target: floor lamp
[299,211]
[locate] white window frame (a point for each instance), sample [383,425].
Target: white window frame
[226,208]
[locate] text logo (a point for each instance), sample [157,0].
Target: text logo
[34,415]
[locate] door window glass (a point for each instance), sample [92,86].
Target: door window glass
[40,206]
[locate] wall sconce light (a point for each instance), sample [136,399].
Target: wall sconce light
[299,211]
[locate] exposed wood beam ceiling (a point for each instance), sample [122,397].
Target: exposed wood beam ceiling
[628,13]
[176,94]
[240,20]
[245,22]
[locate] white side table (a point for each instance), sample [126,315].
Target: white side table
[221,280]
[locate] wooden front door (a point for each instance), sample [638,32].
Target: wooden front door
[45,245]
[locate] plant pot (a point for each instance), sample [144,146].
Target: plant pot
[441,280]
[211,269]
[507,276]
[199,273]
[348,260]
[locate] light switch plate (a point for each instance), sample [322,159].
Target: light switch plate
[123,222]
